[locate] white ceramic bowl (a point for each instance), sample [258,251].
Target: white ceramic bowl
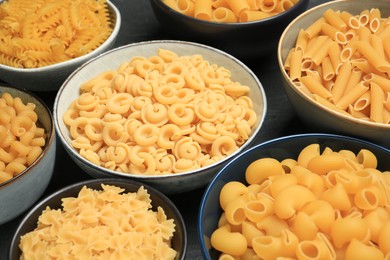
[171,183]
[313,113]
[22,191]
[50,78]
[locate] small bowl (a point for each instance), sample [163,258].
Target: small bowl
[245,40]
[168,183]
[23,190]
[312,112]
[50,78]
[279,149]
[29,222]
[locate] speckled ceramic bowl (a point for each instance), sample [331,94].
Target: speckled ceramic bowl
[312,112]
[22,191]
[50,78]
[168,183]
[29,222]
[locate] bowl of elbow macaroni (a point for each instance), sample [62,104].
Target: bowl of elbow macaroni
[167,113]
[27,150]
[306,196]
[247,29]
[44,42]
[335,61]
[104,219]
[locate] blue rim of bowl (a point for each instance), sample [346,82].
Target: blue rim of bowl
[265,20]
[49,139]
[109,181]
[267,143]
[73,151]
[80,59]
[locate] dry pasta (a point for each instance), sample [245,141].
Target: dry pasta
[40,33]
[348,54]
[230,11]
[160,114]
[21,138]
[324,204]
[101,224]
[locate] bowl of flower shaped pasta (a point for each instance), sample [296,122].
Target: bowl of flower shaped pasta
[27,150]
[305,196]
[167,113]
[334,60]
[102,218]
[43,42]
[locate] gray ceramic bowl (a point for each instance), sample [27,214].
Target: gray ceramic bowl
[50,78]
[279,148]
[170,183]
[313,113]
[246,40]
[22,191]
[29,222]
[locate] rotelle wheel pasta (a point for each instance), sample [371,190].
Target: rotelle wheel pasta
[294,209]
[164,113]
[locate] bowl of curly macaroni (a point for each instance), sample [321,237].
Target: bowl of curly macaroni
[246,29]
[305,196]
[54,40]
[105,219]
[167,113]
[335,62]
[27,150]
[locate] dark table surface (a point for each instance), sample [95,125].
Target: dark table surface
[139,24]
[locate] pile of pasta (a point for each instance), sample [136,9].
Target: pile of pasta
[230,11]
[21,138]
[160,114]
[40,33]
[320,205]
[342,61]
[101,224]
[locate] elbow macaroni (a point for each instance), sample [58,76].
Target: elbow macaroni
[181,113]
[329,205]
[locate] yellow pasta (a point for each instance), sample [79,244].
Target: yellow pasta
[330,205]
[44,33]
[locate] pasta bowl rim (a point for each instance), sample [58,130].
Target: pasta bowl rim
[49,141]
[55,196]
[303,95]
[81,59]
[141,177]
[266,145]
[223,24]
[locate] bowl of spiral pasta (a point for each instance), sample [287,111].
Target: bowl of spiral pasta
[167,113]
[42,42]
[102,219]
[27,150]
[304,196]
[335,61]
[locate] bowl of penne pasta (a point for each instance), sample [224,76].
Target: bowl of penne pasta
[27,150]
[245,29]
[109,218]
[304,196]
[167,113]
[55,39]
[335,61]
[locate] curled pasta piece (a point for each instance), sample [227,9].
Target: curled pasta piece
[183,165]
[259,208]
[325,163]
[113,133]
[186,148]
[156,114]
[234,211]
[146,135]
[207,130]
[367,158]
[230,191]
[165,163]
[94,129]
[167,136]
[136,150]
[272,225]
[119,103]
[86,101]
[166,94]
[207,112]
[223,146]
[119,154]
[318,248]
[180,114]
[77,128]
[279,182]
[224,240]
[261,169]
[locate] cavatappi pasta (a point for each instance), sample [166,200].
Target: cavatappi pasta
[21,138]
[160,114]
[101,224]
[230,11]
[40,33]
[321,205]
[342,61]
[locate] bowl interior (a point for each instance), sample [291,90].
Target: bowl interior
[280,148]
[29,222]
[112,59]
